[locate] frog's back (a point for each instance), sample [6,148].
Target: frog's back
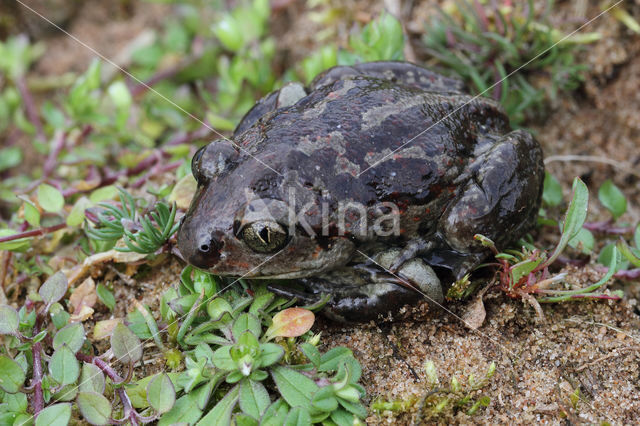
[370,140]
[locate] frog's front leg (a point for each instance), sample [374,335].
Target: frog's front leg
[364,291]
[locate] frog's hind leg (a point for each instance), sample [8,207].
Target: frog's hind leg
[288,95]
[500,198]
[395,71]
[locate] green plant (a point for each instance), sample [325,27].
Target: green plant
[440,400]
[525,272]
[485,43]
[72,373]
[151,230]
[234,368]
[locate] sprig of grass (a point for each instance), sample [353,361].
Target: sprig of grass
[484,43]
[151,231]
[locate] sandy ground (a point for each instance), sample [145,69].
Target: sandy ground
[592,347]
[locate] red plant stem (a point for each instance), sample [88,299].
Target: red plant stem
[141,88]
[606,227]
[38,397]
[56,147]
[108,179]
[128,410]
[30,106]
[38,394]
[155,171]
[186,137]
[627,274]
[33,233]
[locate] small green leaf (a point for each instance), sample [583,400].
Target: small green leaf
[185,411]
[246,322]
[125,344]
[161,394]
[102,194]
[294,387]
[222,359]
[18,245]
[332,359]
[253,398]
[217,307]
[11,375]
[325,400]
[612,198]
[9,321]
[270,353]
[91,379]
[71,335]
[584,240]
[95,408]
[54,415]
[50,198]
[63,366]
[120,95]
[54,288]
[106,296]
[552,193]
[342,417]
[10,157]
[31,212]
[220,415]
[522,269]
[574,218]
[76,215]
[298,416]
[275,414]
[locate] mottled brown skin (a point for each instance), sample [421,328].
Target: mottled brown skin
[463,172]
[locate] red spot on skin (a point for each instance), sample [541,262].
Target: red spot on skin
[427,210]
[416,218]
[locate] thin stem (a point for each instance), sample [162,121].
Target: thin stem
[38,397]
[30,106]
[606,227]
[33,233]
[128,411]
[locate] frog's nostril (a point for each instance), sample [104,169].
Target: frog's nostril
[207,253]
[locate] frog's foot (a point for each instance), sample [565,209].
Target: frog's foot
[413,272]
[395,258]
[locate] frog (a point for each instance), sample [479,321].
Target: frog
[363,189]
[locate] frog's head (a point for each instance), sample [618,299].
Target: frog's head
[240,221]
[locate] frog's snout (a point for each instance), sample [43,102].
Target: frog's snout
[199,249]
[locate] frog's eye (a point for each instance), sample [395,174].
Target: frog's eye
[195,165]
[264,236]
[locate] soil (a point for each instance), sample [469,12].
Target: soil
[592,348]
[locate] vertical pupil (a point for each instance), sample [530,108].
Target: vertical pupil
[264,234]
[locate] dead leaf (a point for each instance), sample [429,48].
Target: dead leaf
[83,314]
[292,322]
[84,296]
[475,314]
[103,329]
